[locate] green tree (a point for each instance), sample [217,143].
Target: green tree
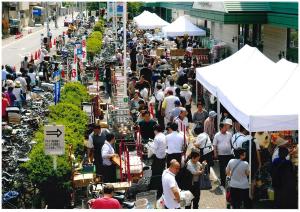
[134,8]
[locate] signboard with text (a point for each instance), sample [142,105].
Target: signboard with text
[54,139]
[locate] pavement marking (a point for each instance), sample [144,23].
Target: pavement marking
[30,35]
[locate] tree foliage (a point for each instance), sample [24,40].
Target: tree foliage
[134,8]
[40,166]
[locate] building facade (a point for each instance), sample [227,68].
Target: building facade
[272,27]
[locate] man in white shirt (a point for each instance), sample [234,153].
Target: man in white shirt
[159,150]
[168,105]
[175,144]
[172,87]
[170,187]
[187,94]
[182,121]
[108,152]
[205,145]
[159,98]
[222,150]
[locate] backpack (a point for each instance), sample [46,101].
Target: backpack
[254,160]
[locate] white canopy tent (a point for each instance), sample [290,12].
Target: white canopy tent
[245,83]
[182,26]
[148,20]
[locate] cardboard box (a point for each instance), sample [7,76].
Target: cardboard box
[83,180]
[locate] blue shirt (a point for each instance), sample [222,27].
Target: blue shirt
[4,74]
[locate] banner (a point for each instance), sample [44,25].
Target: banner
[74,66]
[83,46]
[56,77]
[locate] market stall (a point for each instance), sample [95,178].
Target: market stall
[149,20]
[181,27]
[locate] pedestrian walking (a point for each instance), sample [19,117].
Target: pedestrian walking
[175,144]
[108,152]
[238,170]
[159,151]
[284,181]
[209,124]
[200,116]
[187,94]
[94,145]
[222,150]
[168,105]
[170,187]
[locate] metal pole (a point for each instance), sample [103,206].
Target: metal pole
[124,44]
[250,158]
[47,17]
[196,92]
[218,111]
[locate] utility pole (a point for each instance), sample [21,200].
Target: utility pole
[124,44]
[56,14]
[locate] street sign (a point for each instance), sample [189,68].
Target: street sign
[54,139]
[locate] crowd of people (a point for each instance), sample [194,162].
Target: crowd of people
[161,99]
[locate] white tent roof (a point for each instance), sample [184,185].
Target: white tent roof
[182,26]
[143,15]
[213,75]
[247,87]
[148,20]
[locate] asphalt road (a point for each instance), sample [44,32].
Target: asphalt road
[14,51]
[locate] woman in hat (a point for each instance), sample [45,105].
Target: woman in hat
[187,94]
[17,91]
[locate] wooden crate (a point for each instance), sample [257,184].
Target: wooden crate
[82,180]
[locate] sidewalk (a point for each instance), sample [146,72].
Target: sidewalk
[26,31]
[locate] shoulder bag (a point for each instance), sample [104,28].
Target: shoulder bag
[204,181]
[228,178]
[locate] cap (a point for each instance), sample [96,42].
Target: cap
[227,121]
[212,114]
[177,102]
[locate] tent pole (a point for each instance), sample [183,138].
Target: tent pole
[250,158]
[218,111]
[196,92]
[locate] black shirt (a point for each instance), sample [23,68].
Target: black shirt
[147,74]
[140,86]
[147,129]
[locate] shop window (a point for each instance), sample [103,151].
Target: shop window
[250,34]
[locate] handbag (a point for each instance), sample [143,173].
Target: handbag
[204,181]
[227,183]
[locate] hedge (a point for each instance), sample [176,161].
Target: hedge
[40,166]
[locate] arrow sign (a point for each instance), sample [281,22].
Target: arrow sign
[54,137]
[57,132]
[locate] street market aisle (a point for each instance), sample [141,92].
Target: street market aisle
[14,51]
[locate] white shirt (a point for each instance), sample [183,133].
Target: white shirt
[23,83]
[276,155]
[237,140]
[107,151]
[169,182]
[170,104]
[201,140]
[175,142]
[32,78]
[187,95]
[160,145]
[239,178]
[194,168]
[182,124]
[222,141]
[17,93]
[159,95]
[172,88]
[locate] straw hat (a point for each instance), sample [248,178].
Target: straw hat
[17,84]
[212,114]
[185,87]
